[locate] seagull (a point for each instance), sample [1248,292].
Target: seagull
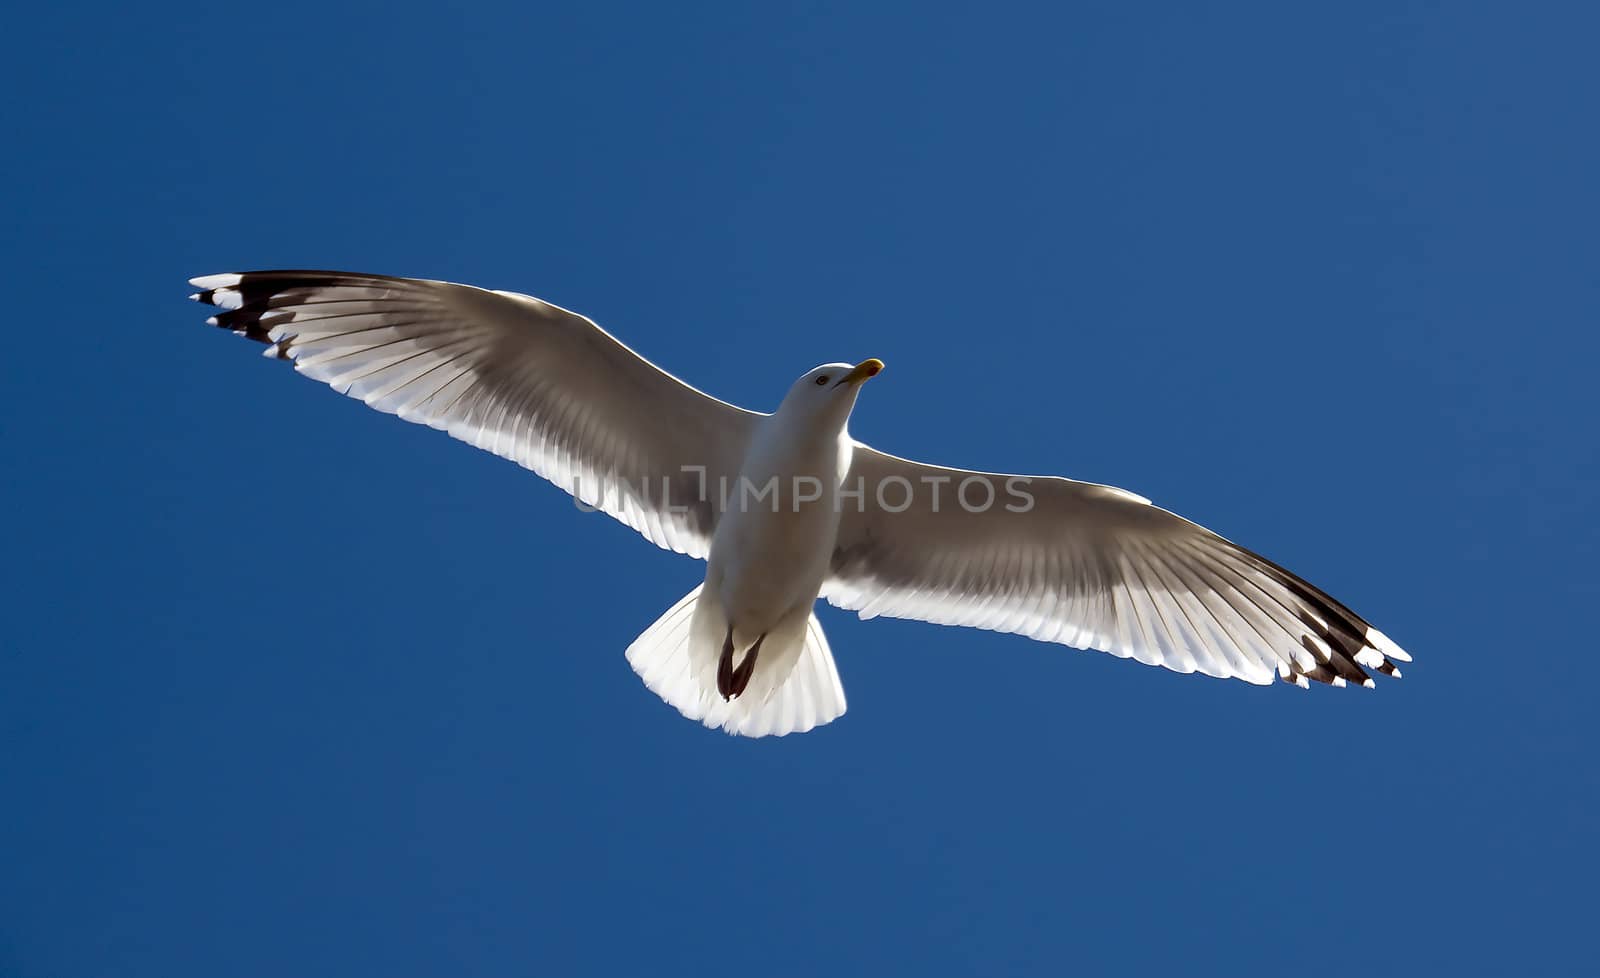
[787,508]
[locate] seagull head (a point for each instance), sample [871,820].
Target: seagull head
[824,395]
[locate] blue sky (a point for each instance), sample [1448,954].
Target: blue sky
[290,687]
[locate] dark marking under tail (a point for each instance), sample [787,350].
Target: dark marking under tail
[732,682]
[725,666]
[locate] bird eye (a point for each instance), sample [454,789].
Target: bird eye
[822,380]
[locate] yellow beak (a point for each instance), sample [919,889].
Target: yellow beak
[861,371]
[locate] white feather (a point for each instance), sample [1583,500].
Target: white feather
[807,695]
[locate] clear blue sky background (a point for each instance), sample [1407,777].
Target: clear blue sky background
[292,688]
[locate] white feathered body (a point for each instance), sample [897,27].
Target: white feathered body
[771,550]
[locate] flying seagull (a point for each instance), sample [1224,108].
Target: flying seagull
[787,507]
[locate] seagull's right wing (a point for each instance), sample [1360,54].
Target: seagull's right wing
[1089,566]
[509,373]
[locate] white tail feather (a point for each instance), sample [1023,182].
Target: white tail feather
[672,655]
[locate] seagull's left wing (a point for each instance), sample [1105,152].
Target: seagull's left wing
[1089,566]
[509,373]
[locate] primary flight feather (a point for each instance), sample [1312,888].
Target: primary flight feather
[787,507]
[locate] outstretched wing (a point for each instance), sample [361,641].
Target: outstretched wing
[1088,566]
[509,373]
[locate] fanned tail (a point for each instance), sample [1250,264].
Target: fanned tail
[795,685]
